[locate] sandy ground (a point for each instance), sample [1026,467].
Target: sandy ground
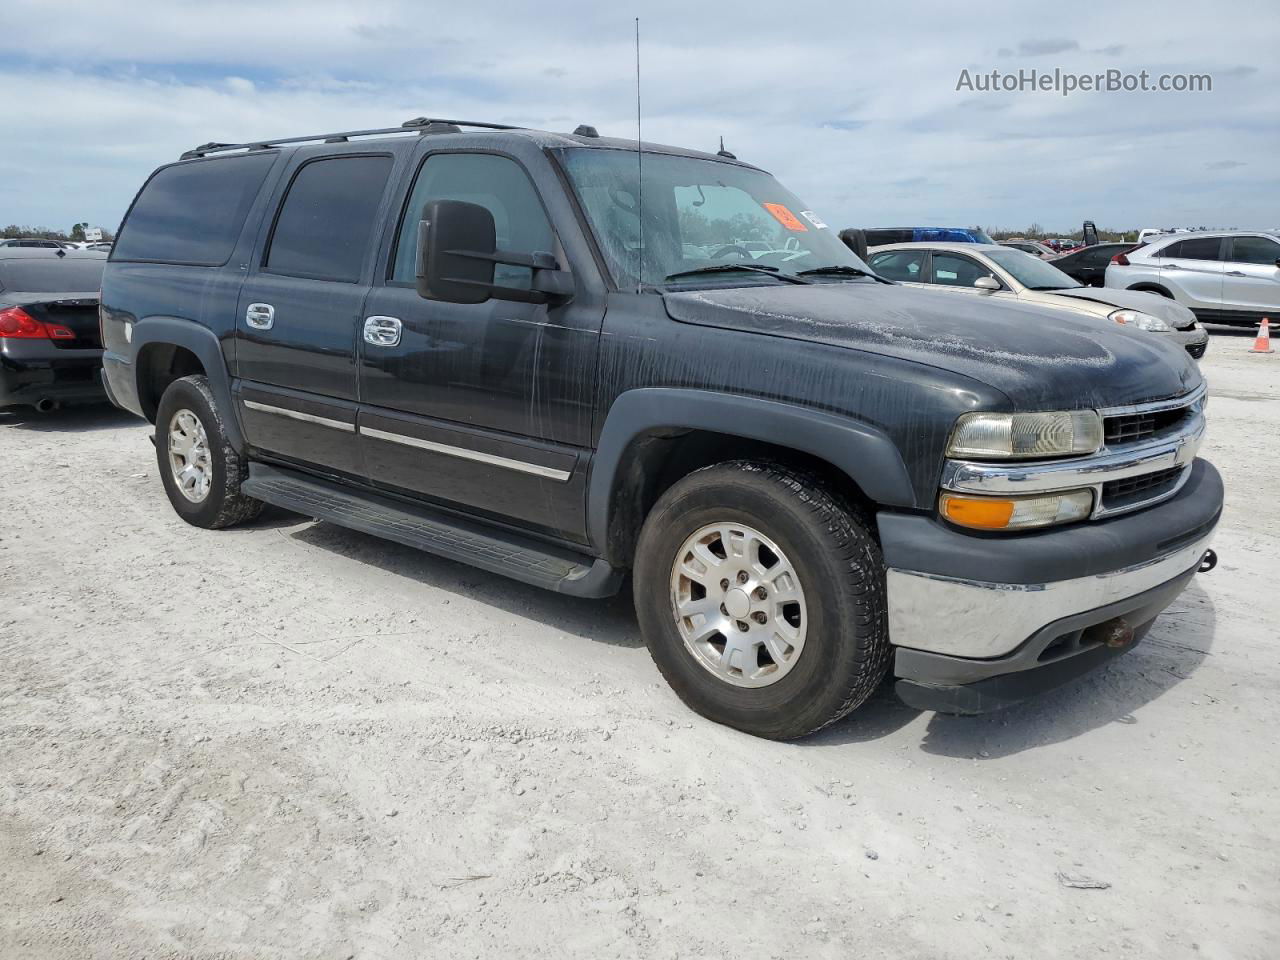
[291,740]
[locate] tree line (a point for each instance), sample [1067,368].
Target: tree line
[75,234]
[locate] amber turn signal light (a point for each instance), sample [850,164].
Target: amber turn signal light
[1015,513]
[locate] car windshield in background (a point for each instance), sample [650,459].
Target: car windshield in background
[697,214]
[1031,271]
[52,275]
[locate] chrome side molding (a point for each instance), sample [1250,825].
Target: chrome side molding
[299,415]
[463,453]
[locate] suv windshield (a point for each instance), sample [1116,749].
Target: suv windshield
[1031,271]
[699,213]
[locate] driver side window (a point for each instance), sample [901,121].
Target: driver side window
[1256,250]
[955,271]
[496,183]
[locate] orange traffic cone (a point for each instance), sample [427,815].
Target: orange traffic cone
[1263,343]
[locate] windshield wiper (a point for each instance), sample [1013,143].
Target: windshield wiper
[729,267]
[842,270]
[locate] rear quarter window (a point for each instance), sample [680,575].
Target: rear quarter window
[192,212]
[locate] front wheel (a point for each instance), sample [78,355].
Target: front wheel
[761,598]
[200,469]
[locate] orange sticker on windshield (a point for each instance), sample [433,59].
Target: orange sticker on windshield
[785,217]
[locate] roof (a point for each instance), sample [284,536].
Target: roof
[469,130]
[943,245]
[1161,237]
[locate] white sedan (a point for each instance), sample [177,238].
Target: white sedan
[991,270]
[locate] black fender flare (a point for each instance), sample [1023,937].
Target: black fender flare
[862,451]
[204,343]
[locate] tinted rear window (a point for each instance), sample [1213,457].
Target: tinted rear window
[52,275]
[327,219]
[192,212]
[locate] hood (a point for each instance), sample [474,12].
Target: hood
[1040,358]
[1170,311]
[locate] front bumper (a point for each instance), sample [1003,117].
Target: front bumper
[1038,595]
[1195,340]
[35,370]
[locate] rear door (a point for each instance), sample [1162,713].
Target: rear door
[1251,280]
[1193,267]
[1091,264]
[300,309]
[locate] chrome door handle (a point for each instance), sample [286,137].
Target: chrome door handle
[1170,266]
[260,316]
[382,331]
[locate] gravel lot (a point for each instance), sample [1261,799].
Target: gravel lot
[291,740]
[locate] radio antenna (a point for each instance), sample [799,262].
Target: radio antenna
[639,170]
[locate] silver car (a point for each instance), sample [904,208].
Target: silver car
[980,269]
[1229,276]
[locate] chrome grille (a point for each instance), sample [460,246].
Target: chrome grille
[1131,490]
[1135,427]
[1146,458]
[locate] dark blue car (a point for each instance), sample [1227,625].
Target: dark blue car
[879,236]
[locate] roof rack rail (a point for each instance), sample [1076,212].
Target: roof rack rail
[422,125]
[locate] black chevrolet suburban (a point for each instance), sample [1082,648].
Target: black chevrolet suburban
[492,344]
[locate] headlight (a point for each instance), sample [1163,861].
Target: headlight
[1016,513]
[1004,436]
[1143,321]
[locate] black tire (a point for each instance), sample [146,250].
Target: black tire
[224,505]
[841,569]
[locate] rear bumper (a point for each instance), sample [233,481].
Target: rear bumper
[119,382]
[35,370]
[1038,595]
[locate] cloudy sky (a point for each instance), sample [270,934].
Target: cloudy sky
[853,106]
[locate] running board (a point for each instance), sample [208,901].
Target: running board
[437,532]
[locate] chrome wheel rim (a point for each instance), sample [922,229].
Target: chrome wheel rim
[738,604]
[189,458]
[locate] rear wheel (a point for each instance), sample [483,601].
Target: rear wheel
[200,469]
[761,598]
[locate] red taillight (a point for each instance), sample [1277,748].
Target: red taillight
[1120,260]
[17,324]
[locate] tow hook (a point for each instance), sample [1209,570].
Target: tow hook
[1116,632]
[1207,562]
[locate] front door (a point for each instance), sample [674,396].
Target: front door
[483,407]
[1251,281]
[299,311]
[959,273]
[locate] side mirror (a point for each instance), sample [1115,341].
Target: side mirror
[987,284]
[456,243]
[855,240]
[457,251]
